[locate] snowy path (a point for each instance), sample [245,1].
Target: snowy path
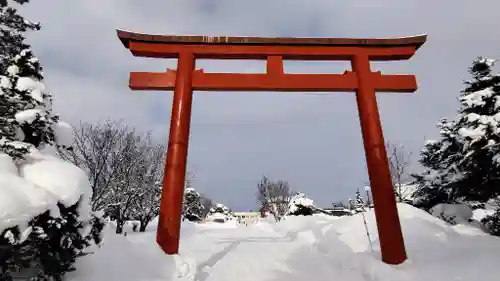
[240,253]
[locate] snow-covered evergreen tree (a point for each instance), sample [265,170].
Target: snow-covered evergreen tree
[464,164]
[46,246]
[359,199]
[26,118]
[12,27]
[492,223]
[479,127]
[358,204]
[192,207]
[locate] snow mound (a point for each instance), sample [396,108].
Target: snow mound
[453,213]
[219,220]
[124,258]
[36,185]
[217,217]
[215,225]
[436,249]
[64,133]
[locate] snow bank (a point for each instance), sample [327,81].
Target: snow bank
[452,213]
[219,221]
[436,250]
[299,248]
[124,258]
[186,226]
[135,257]
[36,185]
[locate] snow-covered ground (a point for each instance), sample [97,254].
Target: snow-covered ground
[298,248]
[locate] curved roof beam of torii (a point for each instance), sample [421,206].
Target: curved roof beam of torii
[168,46]
[127,36]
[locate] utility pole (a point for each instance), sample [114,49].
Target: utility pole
[368,202]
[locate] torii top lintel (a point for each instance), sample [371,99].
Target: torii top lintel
[290,48]
[274,50]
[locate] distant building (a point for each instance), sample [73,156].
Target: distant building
[247,217]
[337,211]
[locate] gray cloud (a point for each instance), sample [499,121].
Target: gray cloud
[312,140]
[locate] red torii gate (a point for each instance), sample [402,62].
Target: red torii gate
[361,80]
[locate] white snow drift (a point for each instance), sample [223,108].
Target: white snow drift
[297,249]
[36,184]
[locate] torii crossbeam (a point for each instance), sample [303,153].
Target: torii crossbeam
[361,80]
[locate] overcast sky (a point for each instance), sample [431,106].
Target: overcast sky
[311,140]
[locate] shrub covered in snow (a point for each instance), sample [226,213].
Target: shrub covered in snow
[219,213]
[492,223]
[45,220]
[300,205]
[220,209]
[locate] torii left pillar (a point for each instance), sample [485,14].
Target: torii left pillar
[169,224]
[274,50]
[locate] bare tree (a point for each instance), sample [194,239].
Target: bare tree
[274,196]
[263,193]
[399,163]
[190,176]
[339,204]
[117,160]
[98,150]
[146,204]
[207,205]
[126,187]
